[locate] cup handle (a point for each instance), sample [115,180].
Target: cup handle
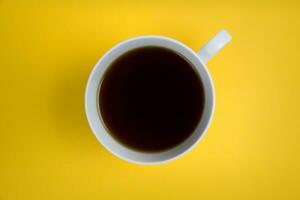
[214,45]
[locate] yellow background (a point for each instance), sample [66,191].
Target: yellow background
[48,49]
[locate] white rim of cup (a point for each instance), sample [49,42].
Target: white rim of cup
[196,63]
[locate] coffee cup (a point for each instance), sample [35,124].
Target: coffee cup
[197,58]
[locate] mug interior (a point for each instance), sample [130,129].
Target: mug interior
[93,111]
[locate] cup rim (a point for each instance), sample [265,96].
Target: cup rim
[91,92]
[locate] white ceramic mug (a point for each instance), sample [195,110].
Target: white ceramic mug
[198,60]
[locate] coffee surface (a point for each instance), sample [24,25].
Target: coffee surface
[151,99]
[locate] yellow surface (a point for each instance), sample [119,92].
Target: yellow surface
[48,49]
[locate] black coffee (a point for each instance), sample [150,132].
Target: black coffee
[151,99]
